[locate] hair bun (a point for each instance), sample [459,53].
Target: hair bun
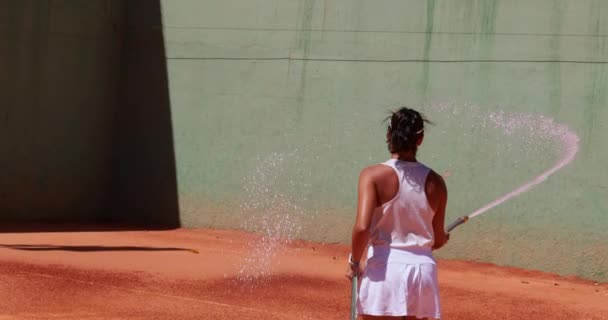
[405,128]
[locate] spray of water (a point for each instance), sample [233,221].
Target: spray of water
[270,211]
[561,132]
[536,128]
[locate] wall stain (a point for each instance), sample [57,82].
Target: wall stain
[303,46]
[596,100]
[486,11]
[467,11]
[324,18]
[555,69]
[425,77]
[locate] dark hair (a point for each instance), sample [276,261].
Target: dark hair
[405,127]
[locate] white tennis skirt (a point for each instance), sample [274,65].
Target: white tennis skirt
[403,284]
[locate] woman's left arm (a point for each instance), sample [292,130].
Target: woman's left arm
[367,201]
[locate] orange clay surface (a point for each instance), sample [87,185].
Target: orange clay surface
[153,275]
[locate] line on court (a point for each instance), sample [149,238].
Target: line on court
[219,304]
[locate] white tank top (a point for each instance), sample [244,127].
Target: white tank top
[402,228]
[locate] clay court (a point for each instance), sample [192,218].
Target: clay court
[158,275]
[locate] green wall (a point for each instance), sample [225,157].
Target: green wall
[59,62]
[277,105]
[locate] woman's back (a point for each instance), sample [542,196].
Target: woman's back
[405,221]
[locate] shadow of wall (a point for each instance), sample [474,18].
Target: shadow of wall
[58,90]
[144,185]
[85,125]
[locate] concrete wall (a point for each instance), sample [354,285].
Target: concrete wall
[277,105]
[59,62]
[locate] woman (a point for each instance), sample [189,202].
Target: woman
[400,219]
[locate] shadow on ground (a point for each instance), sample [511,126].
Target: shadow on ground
[48,247]
[86,226]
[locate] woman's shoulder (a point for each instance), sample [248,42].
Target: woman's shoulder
[435,181]
[376,171]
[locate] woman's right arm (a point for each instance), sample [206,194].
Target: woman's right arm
[437,193]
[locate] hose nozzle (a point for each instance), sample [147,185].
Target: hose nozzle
[457,222]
